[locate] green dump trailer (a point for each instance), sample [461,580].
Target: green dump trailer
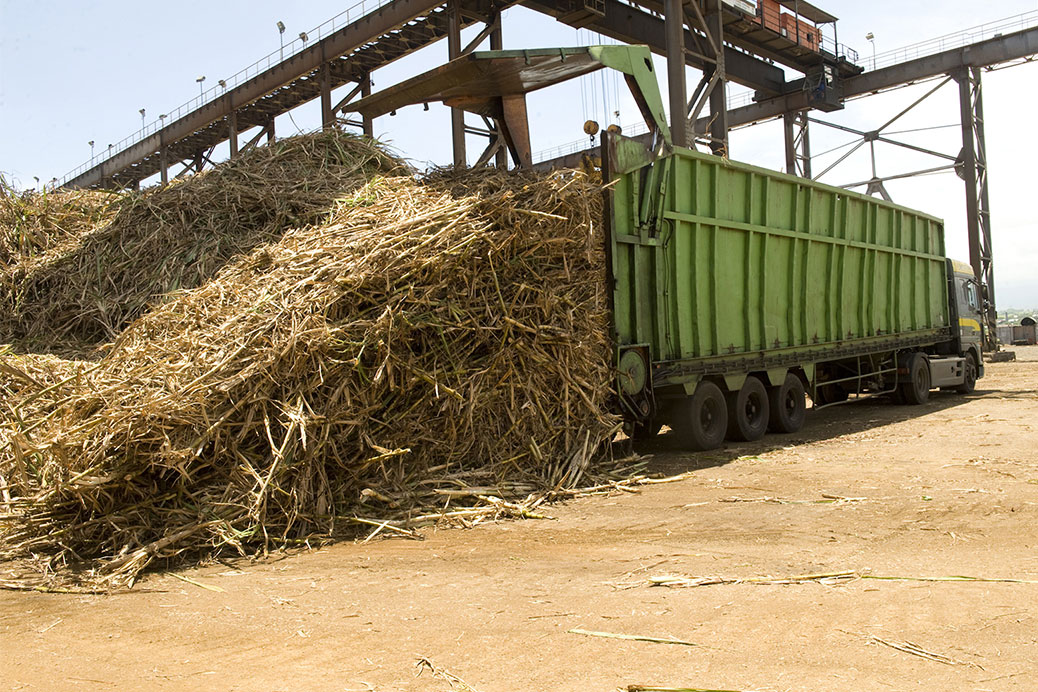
[736,291]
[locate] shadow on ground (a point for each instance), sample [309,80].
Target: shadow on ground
[667,456]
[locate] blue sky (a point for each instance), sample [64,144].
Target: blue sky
[72,72]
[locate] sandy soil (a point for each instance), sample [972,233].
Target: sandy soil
[947,489]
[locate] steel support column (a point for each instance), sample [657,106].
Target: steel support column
[368,124]
[325,80]
[674,33]
[453,51]
[517,129]
[719,94]
[798,144]
[270,131]
[497,43]
[232,133]
[975,173]
[710,50]
[164,165]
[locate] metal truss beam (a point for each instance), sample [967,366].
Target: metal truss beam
[634,25]
[712,87]
[798,144]
[1011,48]
[1016,46]
[875,184]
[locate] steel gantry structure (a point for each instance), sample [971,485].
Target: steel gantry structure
[739,41]
[345,57]
[715,36]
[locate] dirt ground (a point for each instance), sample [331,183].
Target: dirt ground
[947,489]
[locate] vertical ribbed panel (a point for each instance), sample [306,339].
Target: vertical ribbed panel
[750,260]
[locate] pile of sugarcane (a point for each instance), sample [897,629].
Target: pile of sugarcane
[426,337]
[89,283]
[33,222]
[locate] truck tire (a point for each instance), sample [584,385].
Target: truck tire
[788,406]
[700,421]
[748,411]
[916,390]
[970,376]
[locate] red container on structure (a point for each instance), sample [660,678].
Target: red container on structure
[799,32]
[769,14]
[810,36]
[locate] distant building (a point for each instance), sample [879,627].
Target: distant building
[1023,334]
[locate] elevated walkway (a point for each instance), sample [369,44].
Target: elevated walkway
[342,51]
[373,33]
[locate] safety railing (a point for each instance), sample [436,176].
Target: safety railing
[959,39]
[285,51]
[579,145]
[840,50]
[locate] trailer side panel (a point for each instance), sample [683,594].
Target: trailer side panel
[719,265]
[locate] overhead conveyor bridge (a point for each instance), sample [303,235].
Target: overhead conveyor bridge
[346,50]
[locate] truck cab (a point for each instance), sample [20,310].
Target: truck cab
[967,313]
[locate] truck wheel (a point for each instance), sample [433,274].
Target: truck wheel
[916,390]
[788,406]
[748,411]
[969,382]
[700,421]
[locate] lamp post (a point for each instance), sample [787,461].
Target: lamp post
[303,36]
[200,80]
[141,111]
[870,37]
[281,35]
[91,143]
